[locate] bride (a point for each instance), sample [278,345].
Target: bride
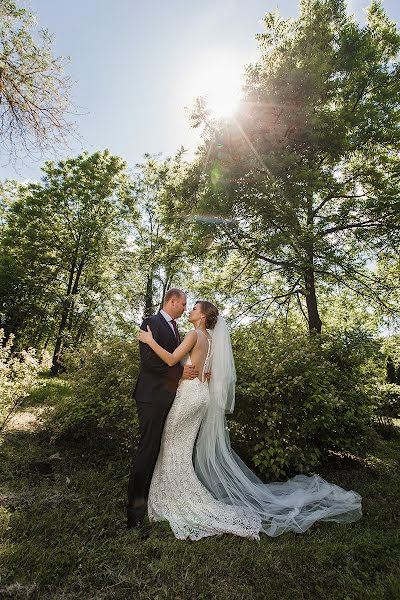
[219,494]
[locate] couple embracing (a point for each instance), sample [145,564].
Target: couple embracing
[185,471]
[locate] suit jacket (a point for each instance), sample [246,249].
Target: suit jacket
[157,382]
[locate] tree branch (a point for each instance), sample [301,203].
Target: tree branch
[349,226]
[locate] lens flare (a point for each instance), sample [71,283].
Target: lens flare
[218,80]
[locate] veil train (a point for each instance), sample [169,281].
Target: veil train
[293,505]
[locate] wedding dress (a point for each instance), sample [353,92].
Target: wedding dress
[176,494]
[221,494]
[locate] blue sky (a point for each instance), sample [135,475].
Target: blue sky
[136,65]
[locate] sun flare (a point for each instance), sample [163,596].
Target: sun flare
[219,82]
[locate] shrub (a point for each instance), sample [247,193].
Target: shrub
[387,404]
[18,374]
[391,349]
[300,395]
[100,407]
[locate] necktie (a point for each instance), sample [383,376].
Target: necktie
[173,323]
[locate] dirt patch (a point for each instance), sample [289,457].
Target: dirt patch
[25,420]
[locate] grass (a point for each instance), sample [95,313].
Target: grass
[62,532]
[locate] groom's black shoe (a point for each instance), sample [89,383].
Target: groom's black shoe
[134,518]
[141,527]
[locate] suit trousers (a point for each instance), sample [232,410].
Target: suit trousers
[152,417]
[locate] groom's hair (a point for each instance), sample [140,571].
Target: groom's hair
[172,293]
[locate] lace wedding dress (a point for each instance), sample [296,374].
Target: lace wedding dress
[222,495]
[176,494]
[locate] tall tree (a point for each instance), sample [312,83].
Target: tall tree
[305,177]
[390,370]
[61,246]
[162,244]
[34,91]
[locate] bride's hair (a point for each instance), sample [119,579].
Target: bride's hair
[210,311]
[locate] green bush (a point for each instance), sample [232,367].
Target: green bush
[101,376]
[300,395]
[387,405]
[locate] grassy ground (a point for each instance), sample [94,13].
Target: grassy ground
[62,532]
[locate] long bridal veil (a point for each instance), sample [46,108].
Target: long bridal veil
[293,505]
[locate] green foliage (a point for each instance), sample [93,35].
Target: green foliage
[158,246]
[299,396]
[391,371]
[101,378]
[387,405]
[62,248]
[303,181]
[90,248]
[391,349]
[388,265]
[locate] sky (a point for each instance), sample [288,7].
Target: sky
[137,65]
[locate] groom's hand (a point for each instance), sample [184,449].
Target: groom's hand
[190,372]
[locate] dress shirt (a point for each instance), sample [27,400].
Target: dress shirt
[168,318]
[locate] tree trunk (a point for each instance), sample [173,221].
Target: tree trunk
[314,321]
[71,315]
[166,285]
[148,300]
[47,341]
[72,289]
[81,330]
[59,341]
[164,289]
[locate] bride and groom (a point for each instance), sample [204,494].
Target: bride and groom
[185,470]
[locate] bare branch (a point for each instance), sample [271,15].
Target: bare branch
[34,91]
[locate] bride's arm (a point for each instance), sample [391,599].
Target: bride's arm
[171,359]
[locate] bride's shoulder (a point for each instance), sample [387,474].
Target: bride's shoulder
[191,334]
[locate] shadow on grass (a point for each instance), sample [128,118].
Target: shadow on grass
[51,391]
[63,534]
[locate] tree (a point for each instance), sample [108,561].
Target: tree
[390,370]
[61,248]
[34,91]
[163,246]
[388,266]
[305,179]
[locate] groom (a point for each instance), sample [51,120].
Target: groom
[154,394]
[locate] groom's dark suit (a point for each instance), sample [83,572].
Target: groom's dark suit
[154,394]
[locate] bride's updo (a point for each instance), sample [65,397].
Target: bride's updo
[210,311]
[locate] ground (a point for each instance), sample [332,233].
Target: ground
[63,536]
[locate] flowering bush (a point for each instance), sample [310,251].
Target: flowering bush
[18,374]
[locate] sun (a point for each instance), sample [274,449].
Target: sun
[219,81]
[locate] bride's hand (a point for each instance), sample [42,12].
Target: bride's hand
[145,336]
